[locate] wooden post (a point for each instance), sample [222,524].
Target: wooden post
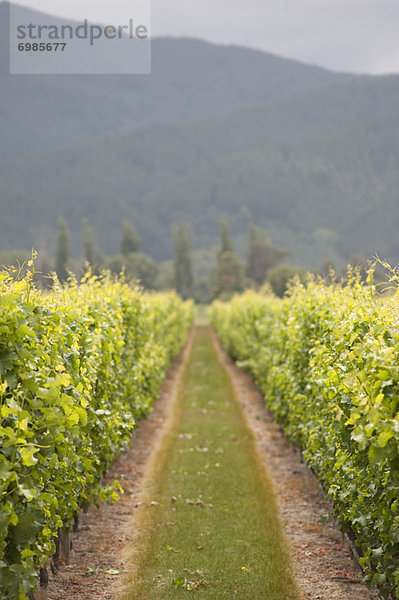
[65,548]
[42,583]
[76,522]
[55,561]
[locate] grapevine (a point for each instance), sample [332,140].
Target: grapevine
[327,361]
[79,367]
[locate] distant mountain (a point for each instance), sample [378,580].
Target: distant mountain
[216,131]
[191,80]
[304,169]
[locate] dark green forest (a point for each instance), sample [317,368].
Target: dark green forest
[215,133]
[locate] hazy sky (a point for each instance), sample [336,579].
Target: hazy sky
[350,35]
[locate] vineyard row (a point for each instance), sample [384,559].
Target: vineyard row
[79,367]
[326,359]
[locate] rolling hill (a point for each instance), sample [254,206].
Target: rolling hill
[191,80]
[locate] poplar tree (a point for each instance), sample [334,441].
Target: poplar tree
[229,277]
[92,253]
[226,245]
[262,254]
[183,268]
[62,250]
[130,240]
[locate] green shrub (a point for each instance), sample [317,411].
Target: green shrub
[279,278]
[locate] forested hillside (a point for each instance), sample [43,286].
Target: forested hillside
[190,80]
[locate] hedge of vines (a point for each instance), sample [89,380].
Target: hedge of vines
[78,368]
[327,360]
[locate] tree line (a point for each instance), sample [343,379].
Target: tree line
[226,275]
[229,275]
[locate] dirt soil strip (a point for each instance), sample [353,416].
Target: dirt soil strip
[323,561]
[96,567]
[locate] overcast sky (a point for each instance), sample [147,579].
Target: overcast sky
[350,35]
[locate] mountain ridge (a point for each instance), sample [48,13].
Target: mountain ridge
[156,180]
[191,80]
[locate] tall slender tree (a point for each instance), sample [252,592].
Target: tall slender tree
[226,244]
[229,276]
[183,267]
[130,240]
[262,254]
[92,253]
[62,250]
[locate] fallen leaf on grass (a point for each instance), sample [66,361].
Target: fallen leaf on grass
[198,502]
[178,582]
[189,584]
[186,436]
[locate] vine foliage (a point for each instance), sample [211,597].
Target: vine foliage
[79,367]
[326,358]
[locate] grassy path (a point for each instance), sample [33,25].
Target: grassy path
[209,526]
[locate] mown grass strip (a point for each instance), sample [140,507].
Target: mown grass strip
[211,522]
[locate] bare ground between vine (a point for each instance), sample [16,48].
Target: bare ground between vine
[322,560]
